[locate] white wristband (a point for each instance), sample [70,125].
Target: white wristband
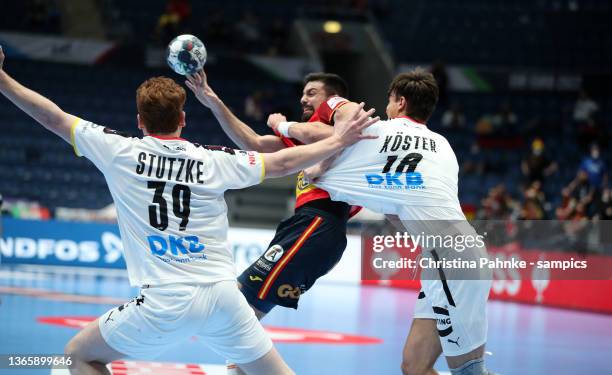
[284,126]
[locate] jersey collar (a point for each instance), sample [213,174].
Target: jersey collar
[413,120]
[166,138]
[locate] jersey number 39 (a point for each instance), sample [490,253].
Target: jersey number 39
[181,195]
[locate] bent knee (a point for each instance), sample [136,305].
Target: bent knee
[415,368]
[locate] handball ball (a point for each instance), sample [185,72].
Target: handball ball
[186,54]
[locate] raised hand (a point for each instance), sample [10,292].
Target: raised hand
[275,119]
[198,84]
[350,130]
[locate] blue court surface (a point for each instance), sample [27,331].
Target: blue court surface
[41,308]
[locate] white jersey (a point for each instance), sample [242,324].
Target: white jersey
[408,171]
[171,210]
[412,172]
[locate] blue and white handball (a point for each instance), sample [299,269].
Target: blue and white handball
[186,54]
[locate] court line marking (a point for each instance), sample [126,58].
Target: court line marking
[58,296]
[21,275]
[85,271]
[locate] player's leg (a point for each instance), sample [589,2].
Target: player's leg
[471,363]
[141,328]
[305,247]
[258,313]
[89,352]
[232,368]
[422,347]
[269,364]
[461,322]
[234,332]
[254,282]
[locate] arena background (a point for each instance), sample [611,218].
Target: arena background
[524,102]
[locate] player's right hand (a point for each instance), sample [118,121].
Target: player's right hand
[350,130]
[198,84]
[1,58]
[275,119]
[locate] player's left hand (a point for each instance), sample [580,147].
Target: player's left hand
[313,173]
[275,119]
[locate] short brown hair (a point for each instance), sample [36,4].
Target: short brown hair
[334,84]
[160,101]
[420,90]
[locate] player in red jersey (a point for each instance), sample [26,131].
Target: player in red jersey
[311,242]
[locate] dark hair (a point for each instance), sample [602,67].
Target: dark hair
[160,102]
[420,90]
[334,84]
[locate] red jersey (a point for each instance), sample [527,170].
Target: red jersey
[304,191]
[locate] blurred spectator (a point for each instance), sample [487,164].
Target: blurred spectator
[498,204]
[576,198]
[438,69]
[534,203]
[584,111]
[171,22]
[567,206]
[453,118]
[253,106]
[580,188]
[585,108]
[484,126]
[580,213]
[595,168]
[474,162]
[604,211]
[504,121]
[182,8]
[536,167]
[581,200]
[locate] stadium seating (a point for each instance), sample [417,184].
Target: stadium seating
[543,33]
[36,165]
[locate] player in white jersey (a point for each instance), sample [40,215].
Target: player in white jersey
[411,172]
[173,223]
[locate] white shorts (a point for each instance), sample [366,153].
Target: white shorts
[163,316]
[459,310]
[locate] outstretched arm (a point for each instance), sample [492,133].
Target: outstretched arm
[305,132]
[238,131]
[310,132]
[293,159]
[41,109]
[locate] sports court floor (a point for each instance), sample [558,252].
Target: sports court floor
[40,308]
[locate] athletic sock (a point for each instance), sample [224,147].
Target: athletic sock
[473,367]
